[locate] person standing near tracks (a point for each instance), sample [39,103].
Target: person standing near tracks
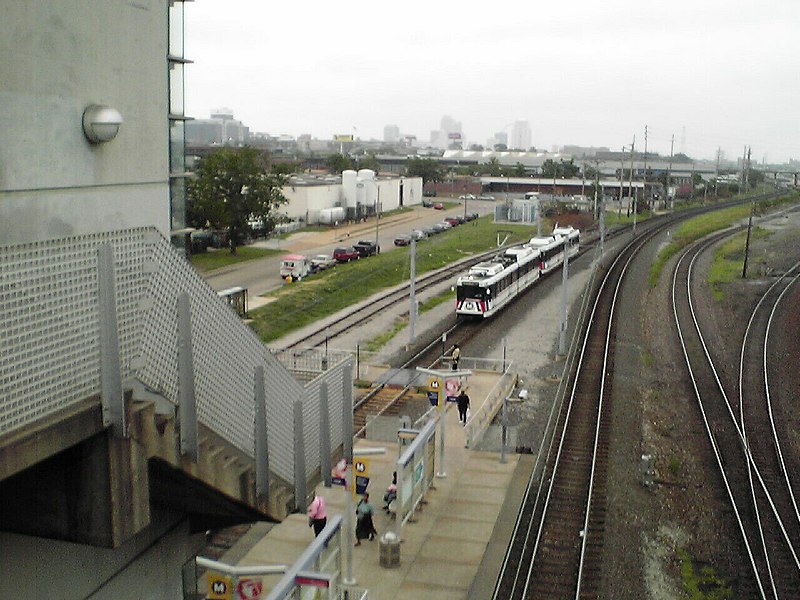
[462,400]
[456,356]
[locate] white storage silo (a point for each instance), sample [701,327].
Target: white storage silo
[367,177]
[349,188]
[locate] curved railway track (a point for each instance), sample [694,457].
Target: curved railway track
[751,466]
[556,550]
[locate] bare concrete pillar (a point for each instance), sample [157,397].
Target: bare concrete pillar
[299,458]
[187,402]
[260,436]
[347,413]
[112,396]
[324,435]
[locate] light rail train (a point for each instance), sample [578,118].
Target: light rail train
[488,286]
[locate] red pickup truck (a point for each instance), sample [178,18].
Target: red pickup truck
[346,254]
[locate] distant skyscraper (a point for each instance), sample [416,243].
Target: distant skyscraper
[520,136]
[500,137]
[221,128]
[448,135]
[391,133]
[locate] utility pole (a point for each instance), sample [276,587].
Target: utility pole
[621,175]
[669,175]
[747,169]
[630,187]
[644,190]
[602,207]
[412,300]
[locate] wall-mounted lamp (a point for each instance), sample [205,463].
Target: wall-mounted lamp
[101,123]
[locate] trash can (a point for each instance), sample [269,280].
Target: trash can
[390,550]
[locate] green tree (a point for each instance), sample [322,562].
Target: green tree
[493,167]
[369,162]
[283,168]
[231,187]
[519,170]
[427,168]
[336,163]
[561,169]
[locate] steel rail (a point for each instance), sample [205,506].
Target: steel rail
[705,417]
[745,447]
[630,250]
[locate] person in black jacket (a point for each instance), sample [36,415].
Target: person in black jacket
[462,400]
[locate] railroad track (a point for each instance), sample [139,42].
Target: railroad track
[744,438]
[556,550]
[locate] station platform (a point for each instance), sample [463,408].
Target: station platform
[453,547]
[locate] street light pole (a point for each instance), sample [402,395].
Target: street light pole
[377,214]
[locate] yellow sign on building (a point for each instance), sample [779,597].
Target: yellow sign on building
[343,138]
[220,587]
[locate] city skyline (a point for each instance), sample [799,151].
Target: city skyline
[712,76]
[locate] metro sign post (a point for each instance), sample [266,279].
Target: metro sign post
[437,381]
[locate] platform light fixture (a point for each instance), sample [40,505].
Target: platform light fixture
[101,123]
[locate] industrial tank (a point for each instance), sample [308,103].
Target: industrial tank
[349,187]
[367,177]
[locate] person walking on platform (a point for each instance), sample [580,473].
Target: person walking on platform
[317,514]
[365,528]
[462,400]
[391,493]
[456,356]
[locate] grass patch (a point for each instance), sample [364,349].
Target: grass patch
[700,580]
[433,302]
[613,219]
[216,259]
[647,358]
[381,340]
[674,467]
[729,260]
[328,292]
[703,225]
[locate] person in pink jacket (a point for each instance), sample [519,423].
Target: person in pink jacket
[317,514]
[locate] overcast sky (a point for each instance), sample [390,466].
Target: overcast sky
[713,73]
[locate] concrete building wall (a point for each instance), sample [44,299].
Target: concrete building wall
[61,569]
[305,202]
[60,58]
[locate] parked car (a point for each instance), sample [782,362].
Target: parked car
[344,255]
[320,262]
[485,197]
[453,221]
[438,206]
[431,193]
[467,197]
[472,216]
[402,240]
[427,203]
[429,231]
[418,234]
[446,225]
[367,248]
[440,227]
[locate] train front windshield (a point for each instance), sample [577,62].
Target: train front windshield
[470,292]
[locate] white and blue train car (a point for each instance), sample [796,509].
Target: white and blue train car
[551,250]
[490,285]
[572,241]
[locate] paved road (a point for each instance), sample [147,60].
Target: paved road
[261,275]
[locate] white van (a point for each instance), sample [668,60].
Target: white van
[295,265]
